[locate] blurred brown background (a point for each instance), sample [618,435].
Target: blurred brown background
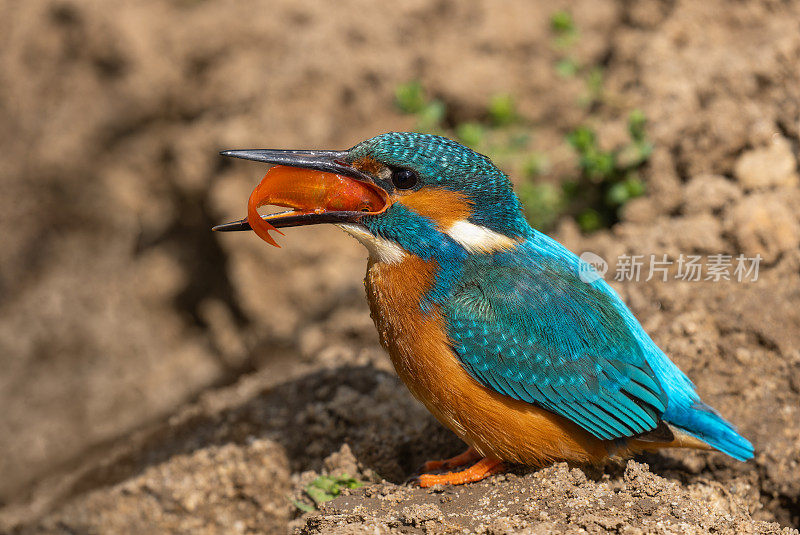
[118,306]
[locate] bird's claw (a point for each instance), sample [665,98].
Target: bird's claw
[478,471]
[468,456]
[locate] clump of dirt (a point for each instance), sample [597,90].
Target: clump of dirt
[223,489]
[553,500]
[160,377]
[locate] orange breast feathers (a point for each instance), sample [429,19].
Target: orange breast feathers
[494,424]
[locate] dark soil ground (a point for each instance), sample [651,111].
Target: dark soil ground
[158,378]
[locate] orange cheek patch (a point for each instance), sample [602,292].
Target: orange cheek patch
[443,206]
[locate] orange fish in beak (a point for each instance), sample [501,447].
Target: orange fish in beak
[307,191]
[317,186]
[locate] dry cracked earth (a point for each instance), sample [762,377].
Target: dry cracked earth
[159,378]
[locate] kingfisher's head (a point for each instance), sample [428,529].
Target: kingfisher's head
[397,193]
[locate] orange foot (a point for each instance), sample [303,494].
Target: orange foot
[466,457]
[480,470]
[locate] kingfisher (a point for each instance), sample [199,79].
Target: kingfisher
[493,325]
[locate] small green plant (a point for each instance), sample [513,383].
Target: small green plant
[563,26]
[596,164]
[326,488]
[567,67]
[471,134]
[502,110]
[589,220]
[565,35]
[609,178]
[594,87]
[640,148]
[543,203]
[535,165]
[411,98]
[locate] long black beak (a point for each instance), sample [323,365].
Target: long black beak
[330,161]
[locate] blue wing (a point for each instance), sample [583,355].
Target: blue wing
[527,326]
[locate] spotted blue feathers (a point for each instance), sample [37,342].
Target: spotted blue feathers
[528,329]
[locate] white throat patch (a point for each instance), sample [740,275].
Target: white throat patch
[380,249]
[477,239]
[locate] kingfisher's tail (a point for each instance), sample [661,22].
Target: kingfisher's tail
[704,423]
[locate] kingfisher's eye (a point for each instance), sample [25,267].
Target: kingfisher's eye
[404,178]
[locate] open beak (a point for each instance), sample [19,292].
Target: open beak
[318,186]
